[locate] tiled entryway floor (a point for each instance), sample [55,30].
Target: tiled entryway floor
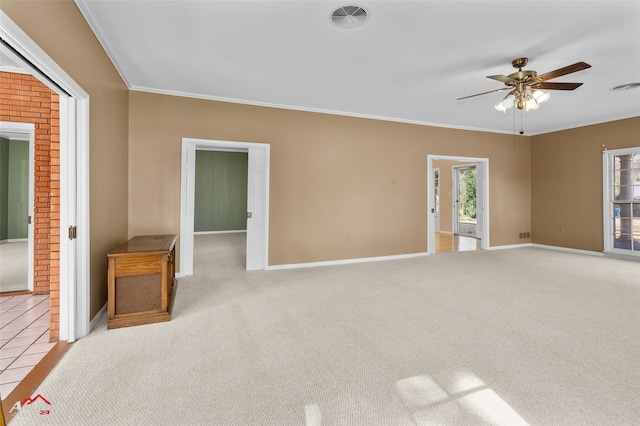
[24,337]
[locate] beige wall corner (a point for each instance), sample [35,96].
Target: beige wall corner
[566,182]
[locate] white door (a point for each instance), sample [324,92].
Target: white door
[436,199]
[256,209]
[479,198]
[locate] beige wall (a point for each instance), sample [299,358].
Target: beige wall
[333,178]
[60,30]
[566,182]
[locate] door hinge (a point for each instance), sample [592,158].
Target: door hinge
[29,220]
[73,232]
[249,215]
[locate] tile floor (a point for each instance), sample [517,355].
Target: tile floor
[24,337]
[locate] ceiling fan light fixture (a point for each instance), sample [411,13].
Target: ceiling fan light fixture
[507,102]
[525,85]
[531,104]
[541,96]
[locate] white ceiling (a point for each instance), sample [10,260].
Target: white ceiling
[409,62]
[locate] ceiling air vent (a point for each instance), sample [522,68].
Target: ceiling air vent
[349,16]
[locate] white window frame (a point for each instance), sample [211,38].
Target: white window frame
[607,193]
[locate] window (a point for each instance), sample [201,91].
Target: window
[622,201]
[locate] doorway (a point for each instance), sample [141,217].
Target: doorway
[74,253]
[465,201]
[449,223]
[16,206]
[257,224]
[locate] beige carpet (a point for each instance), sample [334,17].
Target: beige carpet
[13,266]
[522,336]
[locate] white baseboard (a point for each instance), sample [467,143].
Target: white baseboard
[14,240]
[345,261]
[510,246]
[98,318]
[569,250]
[219,232]
[621,256]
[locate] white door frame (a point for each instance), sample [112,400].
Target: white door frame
[22,131]
[455,193]
[187,198]
[436,213]
[74,179]
[482,179]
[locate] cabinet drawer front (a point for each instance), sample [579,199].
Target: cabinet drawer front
[138,265]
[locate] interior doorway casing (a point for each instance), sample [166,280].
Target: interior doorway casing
[74,277]
[257,199]
[436,198]
[482,170]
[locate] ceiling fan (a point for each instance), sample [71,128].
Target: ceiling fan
[527,87]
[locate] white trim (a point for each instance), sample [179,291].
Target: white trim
[607,185]
[314,110]
[67,218]
[359,115]
[622,256]
[102,313]
[220,232]
[346,261]
[83,223]
[14,240]
[21,42]
[511,246]
[95,28]
[74,306]
[569,250]
[187,192]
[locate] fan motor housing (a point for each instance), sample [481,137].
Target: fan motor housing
[523,76]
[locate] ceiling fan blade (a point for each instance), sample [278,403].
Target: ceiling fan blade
[503,78]
[556,86]
[578,66]
[484,93]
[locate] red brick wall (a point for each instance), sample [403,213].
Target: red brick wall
[23,98]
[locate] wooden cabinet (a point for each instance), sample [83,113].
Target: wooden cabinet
[141,281]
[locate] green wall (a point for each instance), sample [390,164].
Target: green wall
[4,186]
[14,188]
[220,191]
